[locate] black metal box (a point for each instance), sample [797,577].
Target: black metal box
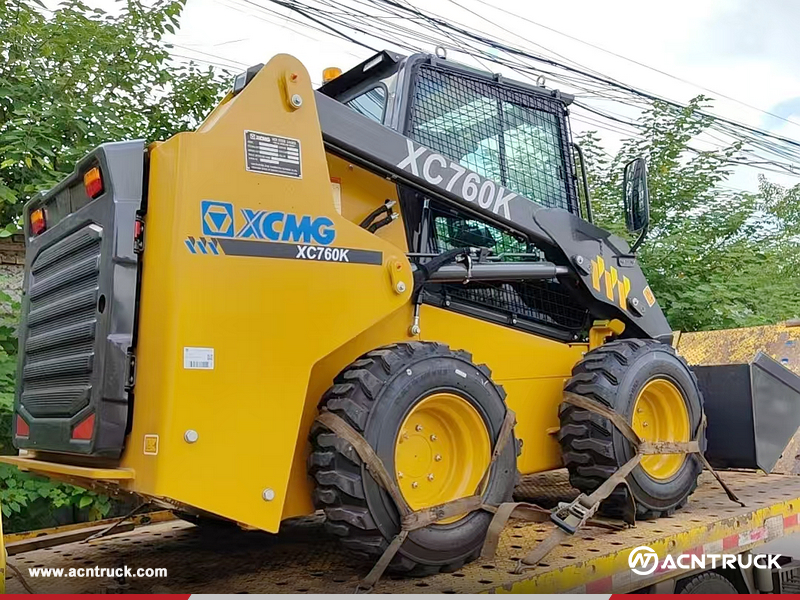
[753,410]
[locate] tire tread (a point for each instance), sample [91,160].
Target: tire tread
[586,438]
[334,465]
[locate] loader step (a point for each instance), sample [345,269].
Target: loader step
[44,467]
[303,558]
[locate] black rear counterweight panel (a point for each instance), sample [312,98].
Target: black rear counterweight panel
[78,308]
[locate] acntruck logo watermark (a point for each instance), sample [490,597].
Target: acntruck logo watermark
[644,561]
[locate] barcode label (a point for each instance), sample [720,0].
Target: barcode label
[198,358]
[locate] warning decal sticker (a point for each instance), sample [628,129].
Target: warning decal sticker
[648,295]
[198,358]
[151,444]
[272,154]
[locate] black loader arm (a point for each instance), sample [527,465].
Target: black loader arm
[612,282]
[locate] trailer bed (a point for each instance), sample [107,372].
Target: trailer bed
[303,558]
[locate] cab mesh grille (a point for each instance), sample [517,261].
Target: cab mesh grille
[545,302]
[520,139]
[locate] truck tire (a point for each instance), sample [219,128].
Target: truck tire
[655,390]
[432,417]
[707,583]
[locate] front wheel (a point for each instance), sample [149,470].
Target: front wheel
[655,390]
[707,583]
[432,416]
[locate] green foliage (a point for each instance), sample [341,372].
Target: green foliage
[31,502]
[28,501]
[715,258]
[9,317]
[79,77]
[70,80]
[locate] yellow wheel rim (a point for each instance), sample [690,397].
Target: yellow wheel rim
[441,452]
[660,415]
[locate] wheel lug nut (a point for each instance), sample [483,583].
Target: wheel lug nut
[399,474]
[430,476]
[414,484]
[418,428]
[644,424]
[640,410]
[437,458]
[433,438]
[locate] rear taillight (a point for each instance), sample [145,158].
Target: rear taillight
[22,427]
[38,224]
[93,182]
[84,429]
[138,235]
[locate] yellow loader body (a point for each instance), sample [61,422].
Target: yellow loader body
[187,318]
[280,329]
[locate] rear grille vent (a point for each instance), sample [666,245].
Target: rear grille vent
[61,325]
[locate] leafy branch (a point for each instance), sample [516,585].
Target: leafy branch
[715,258]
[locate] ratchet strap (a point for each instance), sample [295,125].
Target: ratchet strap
[412,520]
[651,447]
[568,517]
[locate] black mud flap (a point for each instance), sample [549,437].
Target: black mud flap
[753,412]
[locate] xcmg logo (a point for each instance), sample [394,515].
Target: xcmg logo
[219,220]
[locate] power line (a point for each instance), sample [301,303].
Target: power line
[200,60]
[638,63]
[602,79]
[229,60]
[295,8]
[283,25]
[407,27]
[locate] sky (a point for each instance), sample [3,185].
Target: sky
[744,53]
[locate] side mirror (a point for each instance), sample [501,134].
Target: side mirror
[636,198]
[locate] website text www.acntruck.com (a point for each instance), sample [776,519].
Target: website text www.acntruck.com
[97,572]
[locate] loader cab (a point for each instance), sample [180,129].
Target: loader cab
[511,132]
[370,88]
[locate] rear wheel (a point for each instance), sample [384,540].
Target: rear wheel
[432,417]
[441,452]
[655,390]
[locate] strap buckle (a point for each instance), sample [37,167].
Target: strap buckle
[570,517]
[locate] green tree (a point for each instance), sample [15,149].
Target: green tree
[70,80]
[78,77]
[715,258]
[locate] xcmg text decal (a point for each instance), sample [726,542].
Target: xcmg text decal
[271,234]
[219,221]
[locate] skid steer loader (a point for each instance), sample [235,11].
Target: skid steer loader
[404,248]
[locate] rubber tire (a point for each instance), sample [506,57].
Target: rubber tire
[707,583]
[374,395]
[592,448]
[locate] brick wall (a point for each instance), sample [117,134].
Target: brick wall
[12,264]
